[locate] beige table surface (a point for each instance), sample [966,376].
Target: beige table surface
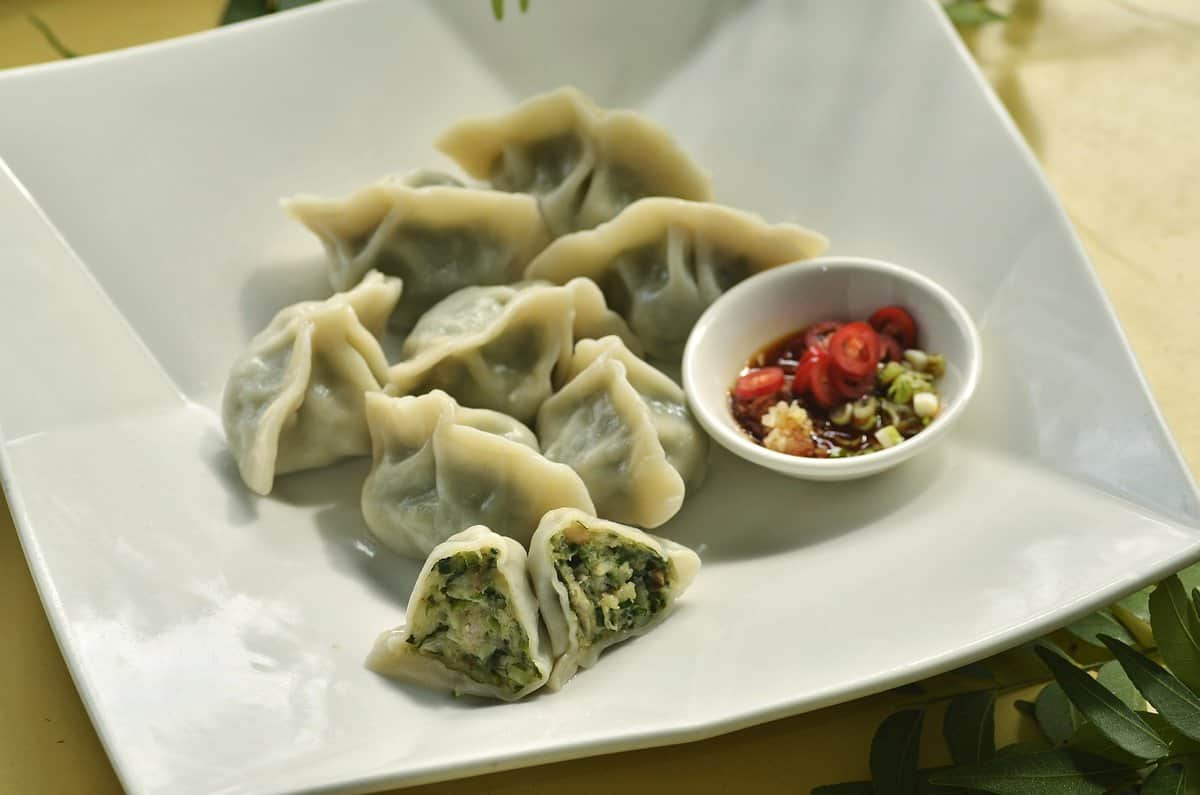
[1107,92]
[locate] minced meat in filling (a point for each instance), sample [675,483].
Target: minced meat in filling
[614,585]
[468,624]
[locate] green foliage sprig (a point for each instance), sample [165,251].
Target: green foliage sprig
[969,13]
[498,8]
[1120,725]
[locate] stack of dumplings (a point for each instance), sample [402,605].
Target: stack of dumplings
[520,443]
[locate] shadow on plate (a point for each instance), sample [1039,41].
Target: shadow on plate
[270,288]
[241,508]
[743,511]
[427,698]
[336,492]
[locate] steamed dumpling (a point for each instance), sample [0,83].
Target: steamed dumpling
[626,429]
[294,399]
[502,347]
[583,163]
[439,467]
[661,262]
[472,622]
[438,238]
[599,583]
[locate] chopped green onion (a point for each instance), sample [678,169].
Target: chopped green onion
[890,371]
[888,436]
[842,415]
[918,359]
[925,404]
[909,383]
[865,410]
[892,410]
[937,365]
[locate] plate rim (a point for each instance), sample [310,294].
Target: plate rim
[678,733]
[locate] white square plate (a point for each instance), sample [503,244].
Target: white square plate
[218,639]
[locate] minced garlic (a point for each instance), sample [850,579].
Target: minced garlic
[791,429]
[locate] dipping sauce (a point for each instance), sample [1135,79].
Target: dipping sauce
[836,389]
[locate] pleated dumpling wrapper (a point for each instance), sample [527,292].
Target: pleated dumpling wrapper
[582,162]
[439,467]
[503,348]
[471,626]
[599,583]
[626,429]
[661,262]
[294,398]
[437,238]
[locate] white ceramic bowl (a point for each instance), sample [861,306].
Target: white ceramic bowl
[785,299]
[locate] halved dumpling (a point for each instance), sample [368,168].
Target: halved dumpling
[599,583]
[626,429]
[582,162]
[438,238]
[661,262]
[471,626]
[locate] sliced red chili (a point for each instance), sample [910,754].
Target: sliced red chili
[896,322]
[820,384]
[851,387]
[889,349]
[855,349]
[802,380]
[817,335]
[756,383]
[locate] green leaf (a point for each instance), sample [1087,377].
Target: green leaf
[1179,744]
[1060,771]
[238,10]
[1113,677]
[498,9]
[51,37]
[1056,715]
[1111,718]
[1165,780]
[1087,738]
[1027,747]
[894,753]
[1178,705]
[1177,630]
[972,12]
[845,788]
[1138,602]
[524,6]
[969,727]
[1090,627]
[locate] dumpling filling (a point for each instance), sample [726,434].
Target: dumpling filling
[468,626]
[615,587]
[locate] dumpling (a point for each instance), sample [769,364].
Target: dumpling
[439,467]
[471,626]
[503,347]
[294,399]
[437,238]
[626,429]
[599,583]
[583,163]
[661,262]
